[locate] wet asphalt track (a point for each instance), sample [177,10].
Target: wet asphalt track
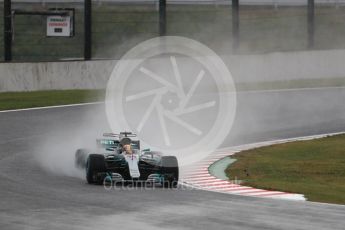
[32,198]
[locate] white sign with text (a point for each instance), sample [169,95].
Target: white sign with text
[59,26]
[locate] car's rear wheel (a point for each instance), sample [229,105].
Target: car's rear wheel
[95,164]
[170,171]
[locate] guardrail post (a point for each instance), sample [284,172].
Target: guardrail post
[235,24]
[87,29]
[162,17]
[7,31]
[311,23]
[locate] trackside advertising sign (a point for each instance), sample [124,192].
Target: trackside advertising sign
[59,26]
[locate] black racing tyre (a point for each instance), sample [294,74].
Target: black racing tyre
[81,158]
[95,164]
[170,171]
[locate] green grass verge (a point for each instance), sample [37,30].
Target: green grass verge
[314,168]
[20,100]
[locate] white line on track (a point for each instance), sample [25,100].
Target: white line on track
[290,90]
[51,107]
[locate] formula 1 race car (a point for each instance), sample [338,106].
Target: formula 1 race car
[119,159]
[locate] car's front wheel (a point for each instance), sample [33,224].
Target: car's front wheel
[95,164]
[170,171]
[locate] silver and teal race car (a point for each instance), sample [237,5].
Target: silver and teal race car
[120,159]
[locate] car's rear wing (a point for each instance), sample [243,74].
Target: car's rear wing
[120,135]
[110,135]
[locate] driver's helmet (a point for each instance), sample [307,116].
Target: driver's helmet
[125,142]
[127,149]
